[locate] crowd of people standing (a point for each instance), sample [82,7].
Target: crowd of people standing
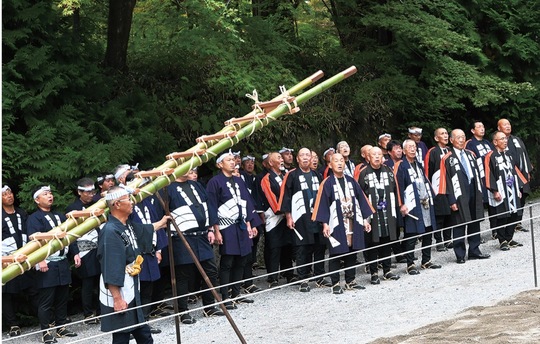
[399,193]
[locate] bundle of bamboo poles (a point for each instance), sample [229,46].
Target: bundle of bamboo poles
[177,164]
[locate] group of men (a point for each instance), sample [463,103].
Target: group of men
[303,212]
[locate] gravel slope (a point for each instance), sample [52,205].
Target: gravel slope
[385,310]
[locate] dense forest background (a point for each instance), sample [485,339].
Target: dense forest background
[89,84]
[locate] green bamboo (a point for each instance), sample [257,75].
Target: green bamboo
[181,167]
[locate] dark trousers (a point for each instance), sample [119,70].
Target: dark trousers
[411,242]
[376,250]
[88,285]
[141,334]
[146,290]
[334,264]
[9,305]
[443,221]
[304,256]
[252,258]
[506,227]
[319,252]
[52,307]
[186,272]
[279,257]
[231,269]
[492,220]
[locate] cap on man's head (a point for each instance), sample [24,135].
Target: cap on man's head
[285,149]
[385,135]
[248,157]
[41,190]
[331,149]
[415,131]
[5,188]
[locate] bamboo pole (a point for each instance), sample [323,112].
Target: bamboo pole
[181,167]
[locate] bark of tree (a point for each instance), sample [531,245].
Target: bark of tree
[119,27]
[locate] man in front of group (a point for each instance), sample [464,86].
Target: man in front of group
[344,211]
[462,185]
[377,181]
[297,198]
[120,244]
[503,181]
[416,200]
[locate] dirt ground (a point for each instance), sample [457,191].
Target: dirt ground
[516,320]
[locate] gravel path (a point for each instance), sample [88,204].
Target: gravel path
[385,310]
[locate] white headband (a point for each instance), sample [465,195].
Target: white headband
[249,157]
[41,190]
[117,194]
[285,149]
[417,131]
[5,188]
[331,149]
[264,156]
[222,156]
[385,135]
[102,178]
[236,153]
[86,188]
[121,170]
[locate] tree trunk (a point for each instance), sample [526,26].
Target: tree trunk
[119,27]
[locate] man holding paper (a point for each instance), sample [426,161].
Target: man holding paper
[344,211]
[298,192]
[416,200]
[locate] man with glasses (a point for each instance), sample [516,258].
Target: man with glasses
[120,243]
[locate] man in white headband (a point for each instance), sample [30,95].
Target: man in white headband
[415,134]
[382,142]
[344,149]
[120,243]
[89,270]
[54,276]
[121,172]
[13,238]
[105,181]
[288,158]
[233,217]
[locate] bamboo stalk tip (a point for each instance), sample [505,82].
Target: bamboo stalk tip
[349,71]
[317,75]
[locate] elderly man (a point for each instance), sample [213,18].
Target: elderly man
[504,181]
[13,238]
[462,184]
[278,238]
[344,211]
[416,200]
[288,158]
[377,181]
[297,198]
[54,275]
[89,270]
[432,167]
[518,152]
[345,151]
[234,220]
[120,244]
